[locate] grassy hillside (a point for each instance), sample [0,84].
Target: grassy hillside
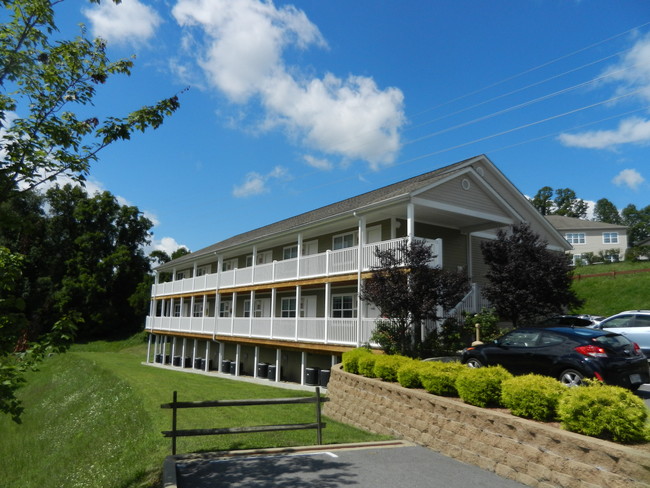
[607,295]
[93,419]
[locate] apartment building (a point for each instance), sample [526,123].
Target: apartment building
[282,301]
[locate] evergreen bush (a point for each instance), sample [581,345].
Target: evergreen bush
[386,367]
[409,374]
[350,360]
[440,378]
[604,411]
[532,396]
[367,365]
[482,386]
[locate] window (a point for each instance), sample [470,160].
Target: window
[610,237]
[198,309]
[230,264]
[177,309]
[575,238]
[288,307]
[309,248]
[225,308]
[262,258]
[201,271]
[344,306]
[180,276]
[343,241]
[290,252]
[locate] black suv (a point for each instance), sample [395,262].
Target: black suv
[569,354]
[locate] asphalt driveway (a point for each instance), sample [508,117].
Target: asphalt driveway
[372,465]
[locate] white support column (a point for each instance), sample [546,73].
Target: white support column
[328,309]
[164,357]
[334,359]
[222,350]
[298,299]
[233,312]
[173,353]
[194,347]
[256,360]
[237,359]
[207,356]
[362,243]
[278,364]
[149,348]
[303,366]
[183,352]
[410,222]
[299,255]
[251,313]
[204,312]
[274,297]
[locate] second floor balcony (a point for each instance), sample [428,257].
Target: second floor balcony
[330,263]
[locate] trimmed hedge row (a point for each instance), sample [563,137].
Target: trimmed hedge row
[597,410]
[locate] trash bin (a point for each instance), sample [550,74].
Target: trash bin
[225,366]
[158,358]
[324,377]
[188,362]
[203,364]
[167,359]
[176,361]
[271,372]
[197,363]
[233,368]
[311,376]
[262,370]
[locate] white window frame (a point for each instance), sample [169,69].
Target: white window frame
[288,307]
[610,238]
[576,238]
[198,309]
[310,247]
[225,308]
[338,240]
[203,270]
[290,252]
[180,275]
[340,313]
[229,264]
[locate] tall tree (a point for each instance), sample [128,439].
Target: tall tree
[407,291]
[525,279]
[543,200]
[566,203]
[637,222]
[606,211]
[49,128]
[46,84]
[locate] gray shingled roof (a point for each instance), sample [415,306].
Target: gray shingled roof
[562,223]
[395,190]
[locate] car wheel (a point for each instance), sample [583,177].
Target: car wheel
[474,363]
[571,377]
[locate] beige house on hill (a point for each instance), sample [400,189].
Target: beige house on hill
[588,236]
[282,301]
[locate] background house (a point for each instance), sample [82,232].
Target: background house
[286,295]
[588,236]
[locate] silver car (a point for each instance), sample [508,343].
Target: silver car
[633,324]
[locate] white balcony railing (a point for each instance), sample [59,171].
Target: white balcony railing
[317,330]
[317,265]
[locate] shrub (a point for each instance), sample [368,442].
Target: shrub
[440,378]
[532,396]
[604,411]
[481,386]
[386,367]
[409,374]
[367,365]
[351,359]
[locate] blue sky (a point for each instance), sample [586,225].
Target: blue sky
[292,106]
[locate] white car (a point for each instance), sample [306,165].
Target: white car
[634,324]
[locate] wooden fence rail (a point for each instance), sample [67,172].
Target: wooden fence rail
[175,405]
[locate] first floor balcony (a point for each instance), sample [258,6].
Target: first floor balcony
[339,331]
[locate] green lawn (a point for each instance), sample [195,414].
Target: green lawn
[607,295]
[93,419]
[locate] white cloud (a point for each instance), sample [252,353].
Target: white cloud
[633,130]
[167,244]
[242,44]
[318,163]
[256,184]
[129,22]
[633,72]
[630,178]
